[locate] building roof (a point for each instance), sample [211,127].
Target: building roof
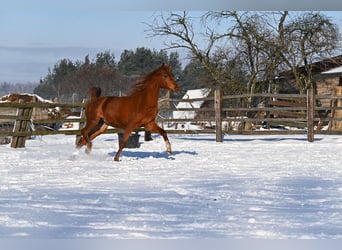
[337,70]
[24,97]
[317,67]
[190,94]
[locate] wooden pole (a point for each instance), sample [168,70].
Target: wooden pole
[336,125]
[81,124]
[21,125]
[310,113]
[218,114]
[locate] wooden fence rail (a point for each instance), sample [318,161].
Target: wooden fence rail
[303,113]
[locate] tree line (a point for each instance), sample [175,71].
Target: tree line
[70,81]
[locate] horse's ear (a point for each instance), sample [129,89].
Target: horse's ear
[166,66]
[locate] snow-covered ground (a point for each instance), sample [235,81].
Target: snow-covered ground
[246,187]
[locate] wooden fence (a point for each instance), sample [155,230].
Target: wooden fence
[232,114]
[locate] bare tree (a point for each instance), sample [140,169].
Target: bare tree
[178,29]
[264,43]
[243,44]
[307,38]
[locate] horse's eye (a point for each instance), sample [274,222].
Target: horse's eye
[166,76]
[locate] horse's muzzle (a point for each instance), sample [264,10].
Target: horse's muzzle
[176,88]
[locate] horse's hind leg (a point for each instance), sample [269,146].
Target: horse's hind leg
[94,132]
[85,140]
[153,127]
[97,130]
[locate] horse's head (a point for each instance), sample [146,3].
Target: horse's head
[167,80]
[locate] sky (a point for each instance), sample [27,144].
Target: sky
[34,39]
[36,34]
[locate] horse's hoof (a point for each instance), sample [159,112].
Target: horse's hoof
[169,153]
[116,159]
[88,148]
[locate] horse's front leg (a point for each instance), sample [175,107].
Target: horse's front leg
[153,127]
[123,142]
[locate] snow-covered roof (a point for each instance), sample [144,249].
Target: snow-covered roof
[190,94]
[337,70]
[25,96]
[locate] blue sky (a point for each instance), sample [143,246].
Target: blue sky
[35,34]
[33,39]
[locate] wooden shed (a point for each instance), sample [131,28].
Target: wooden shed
[38,113]
[327,77]
[326,74]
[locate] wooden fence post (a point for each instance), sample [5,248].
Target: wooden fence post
[81,124]
[21,127]
[218,113]
[310,113]
[336,125]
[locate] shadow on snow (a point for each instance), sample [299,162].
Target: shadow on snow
[146,154]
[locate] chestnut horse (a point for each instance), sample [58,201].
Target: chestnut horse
[138,109]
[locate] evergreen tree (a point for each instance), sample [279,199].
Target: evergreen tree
[68,79]
[194,76]
[176,66]
[134,64]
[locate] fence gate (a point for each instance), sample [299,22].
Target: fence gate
[21,127]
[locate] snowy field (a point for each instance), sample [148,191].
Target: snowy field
[270,187]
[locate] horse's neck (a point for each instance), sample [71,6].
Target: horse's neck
[149,95]
[152,95]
